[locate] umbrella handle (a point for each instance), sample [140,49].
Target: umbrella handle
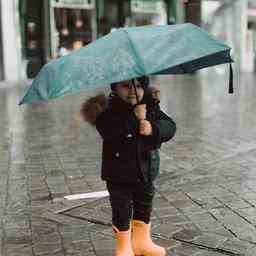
[134,86]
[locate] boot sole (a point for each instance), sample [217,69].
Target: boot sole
[173,253]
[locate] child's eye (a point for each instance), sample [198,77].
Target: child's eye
[139,86]
[132,86]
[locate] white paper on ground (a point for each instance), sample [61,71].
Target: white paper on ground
[97,194]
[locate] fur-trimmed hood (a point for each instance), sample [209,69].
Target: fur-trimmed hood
[94,106]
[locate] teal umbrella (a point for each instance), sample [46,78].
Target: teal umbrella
[129,53]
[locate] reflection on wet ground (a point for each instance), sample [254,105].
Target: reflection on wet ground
[206,192]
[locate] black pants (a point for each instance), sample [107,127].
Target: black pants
[130,200]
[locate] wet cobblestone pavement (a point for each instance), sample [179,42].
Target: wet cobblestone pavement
[206,192]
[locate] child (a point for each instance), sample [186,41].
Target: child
[132,127]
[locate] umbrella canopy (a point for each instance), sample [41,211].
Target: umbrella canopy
[129,53]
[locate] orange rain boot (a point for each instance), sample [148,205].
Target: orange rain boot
[123,242]
[141,240]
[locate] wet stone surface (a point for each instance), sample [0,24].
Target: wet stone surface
[206,190]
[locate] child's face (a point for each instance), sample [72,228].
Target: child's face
[125,90]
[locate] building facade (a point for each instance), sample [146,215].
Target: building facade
[54,28]
[42,30]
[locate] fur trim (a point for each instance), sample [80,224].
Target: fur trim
[154,93]
[93,107]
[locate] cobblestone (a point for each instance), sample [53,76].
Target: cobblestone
[205,194]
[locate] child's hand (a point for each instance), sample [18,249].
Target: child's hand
[140,111]
[145,128]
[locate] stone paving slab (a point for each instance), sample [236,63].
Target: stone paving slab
[206,191]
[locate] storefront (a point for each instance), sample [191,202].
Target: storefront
[73,25]
[54,28]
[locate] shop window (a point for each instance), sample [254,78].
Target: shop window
[33,48]
[74,29]
[72,23]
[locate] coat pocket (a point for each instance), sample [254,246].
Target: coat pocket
[120,161]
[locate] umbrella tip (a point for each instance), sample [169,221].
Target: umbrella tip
[231,82]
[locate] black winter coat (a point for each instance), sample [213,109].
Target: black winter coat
[128,156]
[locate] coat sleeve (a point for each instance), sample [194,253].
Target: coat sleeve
[163,129]
[110,127]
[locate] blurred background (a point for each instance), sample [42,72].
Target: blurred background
[35,31]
